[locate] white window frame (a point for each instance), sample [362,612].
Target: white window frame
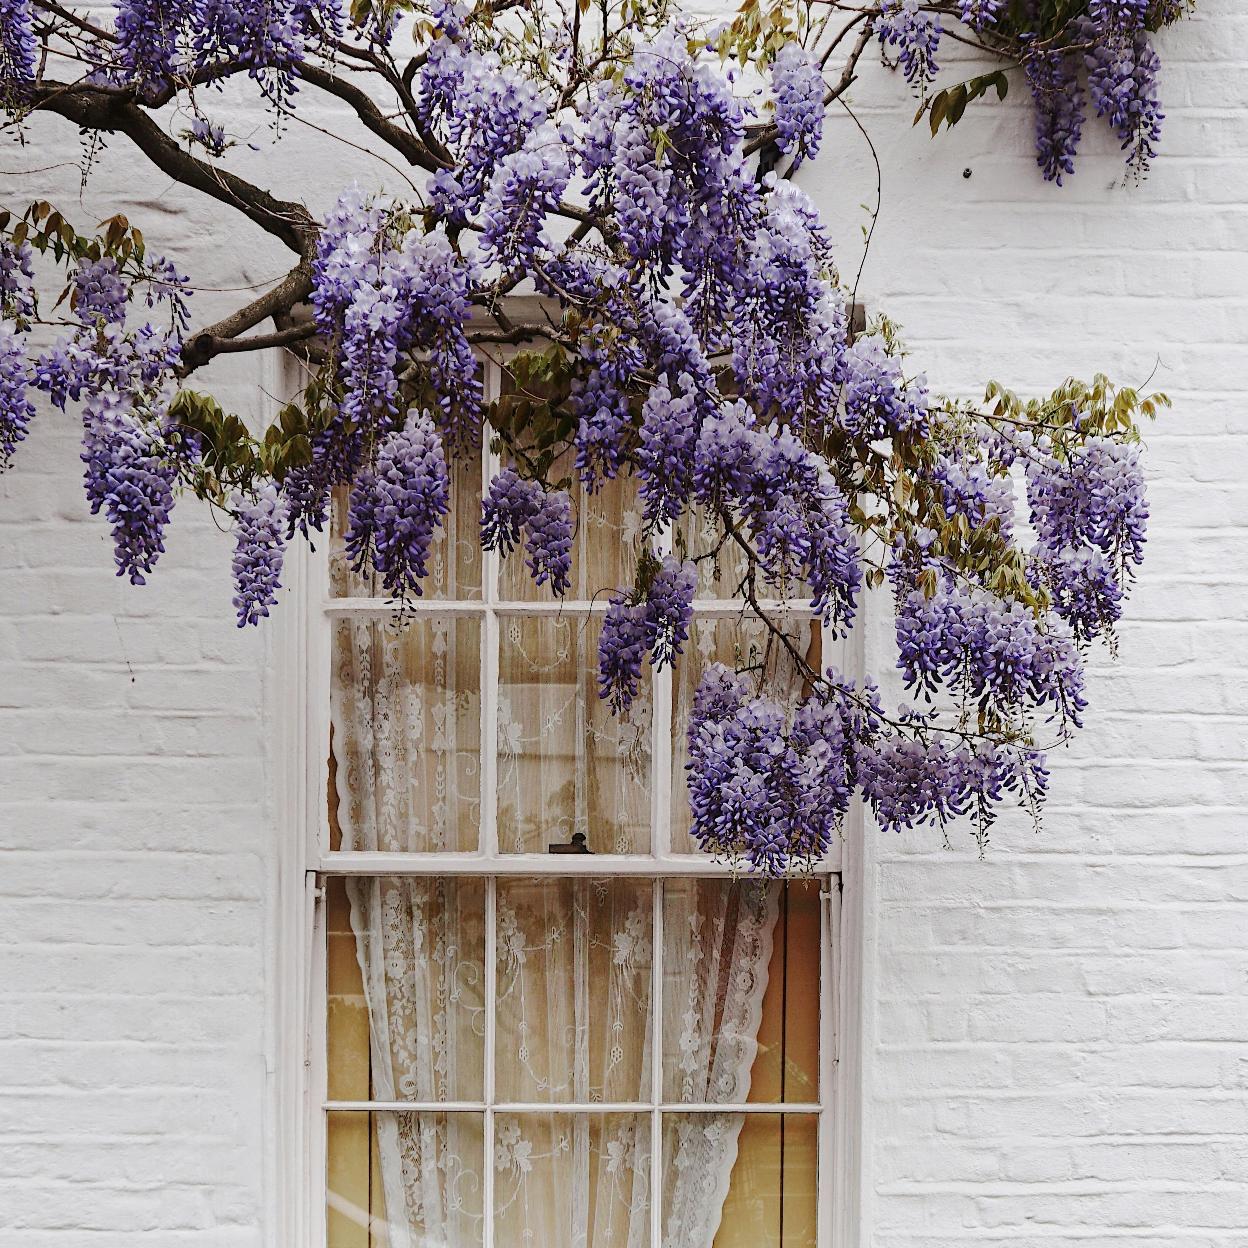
[298,704]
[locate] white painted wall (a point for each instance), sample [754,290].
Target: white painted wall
[1056,1039]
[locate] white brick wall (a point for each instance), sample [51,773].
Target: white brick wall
[133,880]
[1058,1035]
[1057,1041]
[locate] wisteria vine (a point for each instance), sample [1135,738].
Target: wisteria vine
[693,337]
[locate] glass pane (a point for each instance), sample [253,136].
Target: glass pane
[407,733]
[454,556]
[740,991]
[786,1066]
[740,1180]
[406,967]
[721,567]
[574,981]
[398,1180]
[572,1180]
[743,643]
[566,764]
[604,548]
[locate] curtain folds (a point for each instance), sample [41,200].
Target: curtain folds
[574,1017]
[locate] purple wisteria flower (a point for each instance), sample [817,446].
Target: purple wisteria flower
[259,549]
[397,505]
[798,87]
[980,13]
[19,50]
[130,478]
[1058,98]
[16,409]
[514,508]
[915,33]
[622,645]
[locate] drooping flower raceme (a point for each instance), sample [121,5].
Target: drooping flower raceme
[17,277]
[481,110]
[16,409]
[397,505]
[1084,587]
[527,185]
[1122,83]
[911,781]
[1119,15]
[259,549]
[128,477]
[789,333]
[799,89]
[622,646]
[516,507]
[878,400]
[670,423]
[656,622]
[789,506]
[99,293]
[1095,496]
[915,33]
[980,13]
[669,609]
[765,786]
[19,49]
[990,647]
[153,38]
[548,547]
[1058,99]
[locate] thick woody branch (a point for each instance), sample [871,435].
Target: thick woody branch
[204,346]
[223,336]
[514,335]
[96,32]
[92,109]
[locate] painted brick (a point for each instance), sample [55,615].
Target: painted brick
[1057,1042]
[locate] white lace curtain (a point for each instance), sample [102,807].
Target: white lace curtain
[574,1017]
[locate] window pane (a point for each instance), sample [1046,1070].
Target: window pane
[573,990]
[697,537]
[786,1066]
[604,548]
[398,1180]
[454,556]
[406,966]
[566,764]
[407,733]
[742,643]
[572,1180]
[740,991]
[743,1179]
[722,565]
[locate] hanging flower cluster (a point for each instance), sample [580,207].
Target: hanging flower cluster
[655,621]
[694,338]
[1105,43]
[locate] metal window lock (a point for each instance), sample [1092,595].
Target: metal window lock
[576,845]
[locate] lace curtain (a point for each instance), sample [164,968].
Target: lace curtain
[718,937]
[574,1019]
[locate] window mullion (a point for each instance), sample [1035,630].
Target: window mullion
[489,829]
[656,1068]
[829,1024]
[491,1011]
[489,679]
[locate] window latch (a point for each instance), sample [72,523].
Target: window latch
[576,845]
